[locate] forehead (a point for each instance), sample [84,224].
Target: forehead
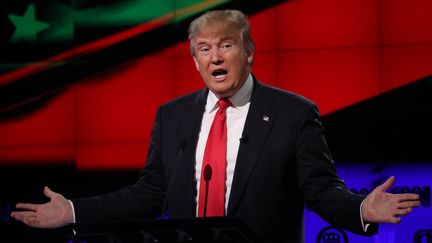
[215,38]
[216,33]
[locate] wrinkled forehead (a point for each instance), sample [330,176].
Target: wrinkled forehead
[218,31]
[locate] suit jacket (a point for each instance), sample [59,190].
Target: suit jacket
[283,163]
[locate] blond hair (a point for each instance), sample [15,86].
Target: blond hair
[232,20]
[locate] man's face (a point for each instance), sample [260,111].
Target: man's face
[222,62]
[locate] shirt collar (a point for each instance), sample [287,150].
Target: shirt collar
[239,99]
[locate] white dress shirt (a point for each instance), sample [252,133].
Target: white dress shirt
[236,118]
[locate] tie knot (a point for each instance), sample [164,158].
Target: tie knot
[224,103]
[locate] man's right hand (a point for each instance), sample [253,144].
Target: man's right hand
[56,213]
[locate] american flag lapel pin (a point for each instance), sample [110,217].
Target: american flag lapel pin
[266,118]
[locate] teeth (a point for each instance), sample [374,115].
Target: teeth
[219,76]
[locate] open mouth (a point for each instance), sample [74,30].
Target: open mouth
[220,73]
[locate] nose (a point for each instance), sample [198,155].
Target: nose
[216,57]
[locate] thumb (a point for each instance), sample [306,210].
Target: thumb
[387,184]
[48,192]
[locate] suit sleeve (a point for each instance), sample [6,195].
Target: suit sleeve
[324,192]
[140,200]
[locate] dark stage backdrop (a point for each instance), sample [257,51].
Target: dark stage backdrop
[80,82]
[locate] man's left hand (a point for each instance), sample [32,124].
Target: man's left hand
[383,207]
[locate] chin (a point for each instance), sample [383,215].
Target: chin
[224,94]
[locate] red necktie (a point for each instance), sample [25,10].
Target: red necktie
[213,173]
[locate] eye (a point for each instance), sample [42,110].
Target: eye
[203,50]
[226,46]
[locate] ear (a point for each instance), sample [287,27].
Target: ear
[196,63]
[250,59]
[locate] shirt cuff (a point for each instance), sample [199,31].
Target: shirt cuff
[365,226]
[73,212]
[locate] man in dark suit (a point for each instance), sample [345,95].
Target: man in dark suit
[275,158]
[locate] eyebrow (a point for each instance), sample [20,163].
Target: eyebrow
[227,38]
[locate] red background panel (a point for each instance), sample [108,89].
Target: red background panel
[38,154]
[333,78]
[187,77]
[317,23]
[120,105]
[336,53]
[51,124]
[263,30]
[401,64]
[45,135]
[181,48]
[265,66]
[115,112]
[111,156]
[406,21]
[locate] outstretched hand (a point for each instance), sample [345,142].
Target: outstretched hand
[56,213]
[383,207]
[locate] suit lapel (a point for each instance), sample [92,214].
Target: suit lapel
[258,124]
[186,185]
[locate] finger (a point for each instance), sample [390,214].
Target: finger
[392,220]
[402,212]
[395,220]
[48,192]
[387,184]
[23,218]
[409,204]
[27,206]
[408,197]
[23,214]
